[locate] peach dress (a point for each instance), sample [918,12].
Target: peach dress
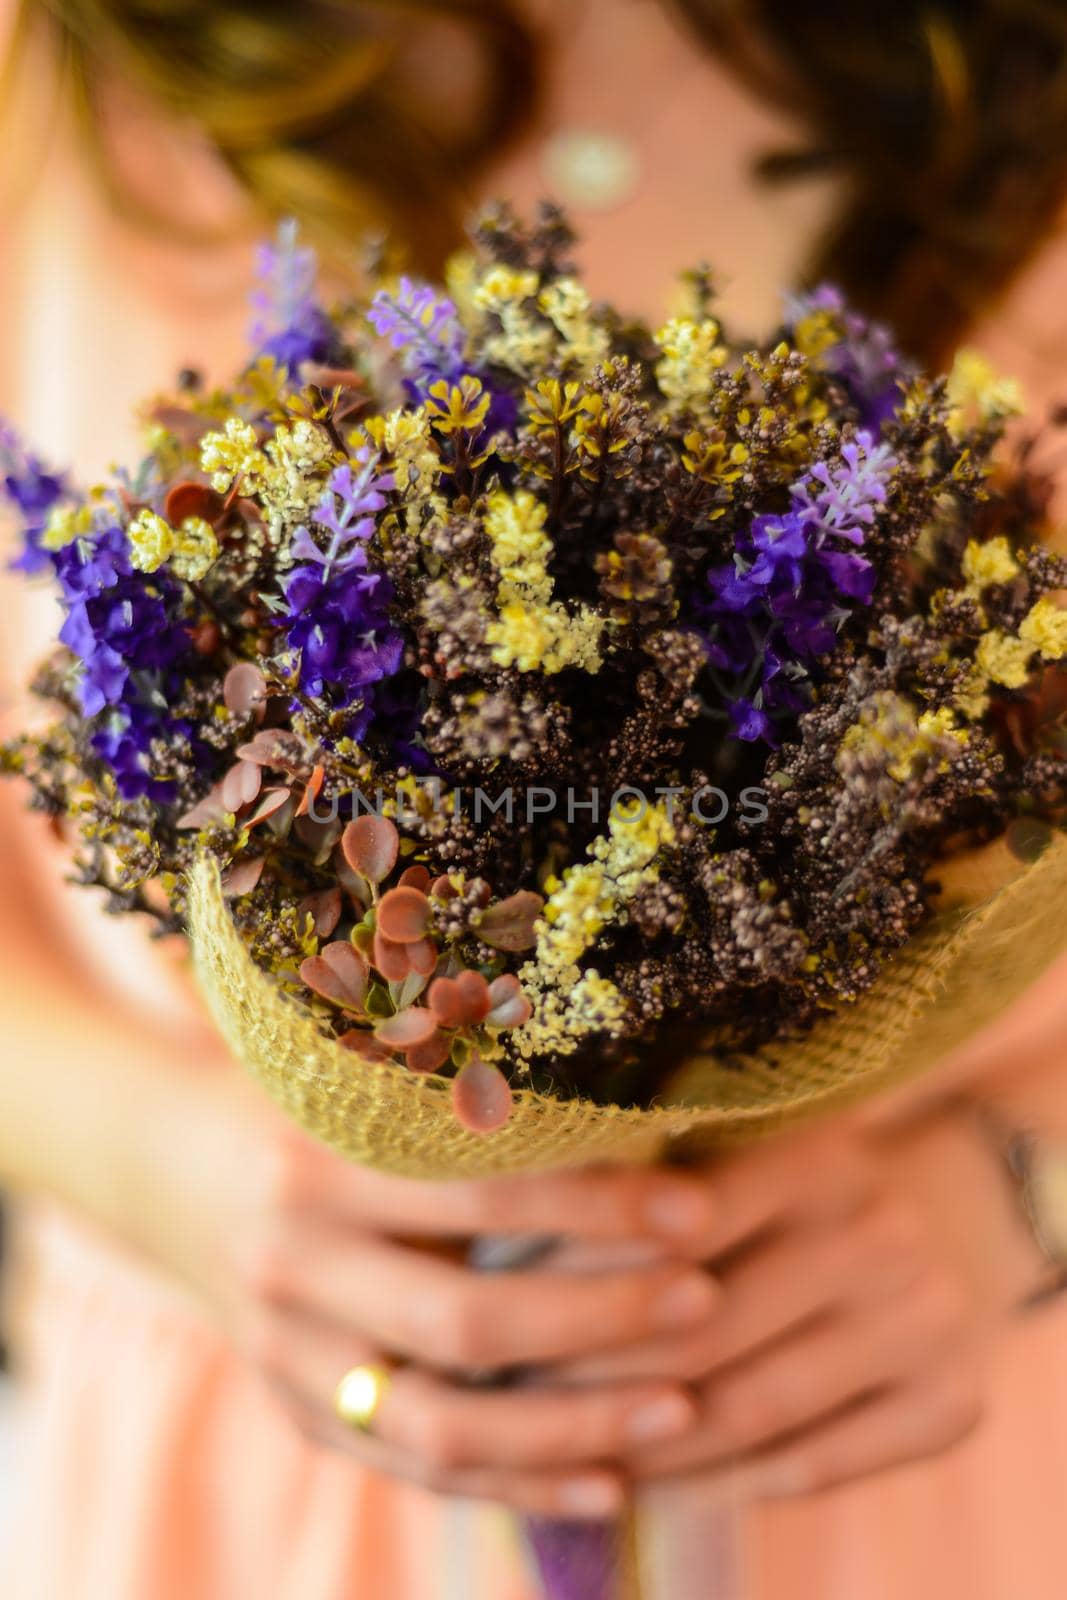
[153,1464]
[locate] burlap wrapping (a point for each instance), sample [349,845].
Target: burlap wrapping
[948,983]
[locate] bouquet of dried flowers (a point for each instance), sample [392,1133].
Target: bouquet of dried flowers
[538,682]
[505,692]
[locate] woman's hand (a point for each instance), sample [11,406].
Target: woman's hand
[861,1283]
[316,1266]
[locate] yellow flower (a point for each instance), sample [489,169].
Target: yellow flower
[502,286]
[534,636]
[66,524]
[454,406]
[551,403]
[888,728]
[1045,629]
[519,637]
[151,541]
[406,436]
[567,1003]
[196,549]
[567,306]
[233,453]
[532,631]
[300,447]
[972,697]
[1004,659]
[525,340]
[264,384]
[710,458]
[596,1003]
[816,333]
[987,563]
[692,354]
[461,278]
[521,549]
[978,393]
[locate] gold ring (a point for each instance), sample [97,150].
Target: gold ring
[359,1394]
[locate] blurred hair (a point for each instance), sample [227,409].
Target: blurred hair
[946,118]
[309,102]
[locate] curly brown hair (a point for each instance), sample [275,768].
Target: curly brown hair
[310,103]
[947,119]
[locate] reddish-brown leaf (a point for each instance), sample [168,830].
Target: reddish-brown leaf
[318,837]
[240,785]
[460,1002]
[446,1002]
[416,877]
[272,747]
[353,883]
[408,1028]
[205,637]
[509,1007]
[312,789]
[270,803]
[190,499]
[481,1098]
[404,915]
[429,1056]
[370,845]
[207,811]
[392,960]
[242,877]
[422,957]
[338,974]
[475,992]
[509,924]
[364,1044]
[244,689]
[324,909]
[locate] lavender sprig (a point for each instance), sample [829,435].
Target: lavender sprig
[778,608]
[290,324]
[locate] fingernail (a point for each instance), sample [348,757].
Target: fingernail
[590,1497]
[671,1414]
[679,1208]
[686,1300]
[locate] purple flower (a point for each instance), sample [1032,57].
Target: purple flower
[777,609]
[123,740]
[33,491]
[750,721]
[290,325]
[423,327]
[347,511]
[123,628]
[865,359]
[337,604]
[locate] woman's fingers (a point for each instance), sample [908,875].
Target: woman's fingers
[901,1425]
[449,1425]
[812,1177]
[768,1291]
[454,1427]
[805,1378]
[438,1312]
[602,1204]
[579,1494]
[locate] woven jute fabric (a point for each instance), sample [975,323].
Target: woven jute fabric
[943,987]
